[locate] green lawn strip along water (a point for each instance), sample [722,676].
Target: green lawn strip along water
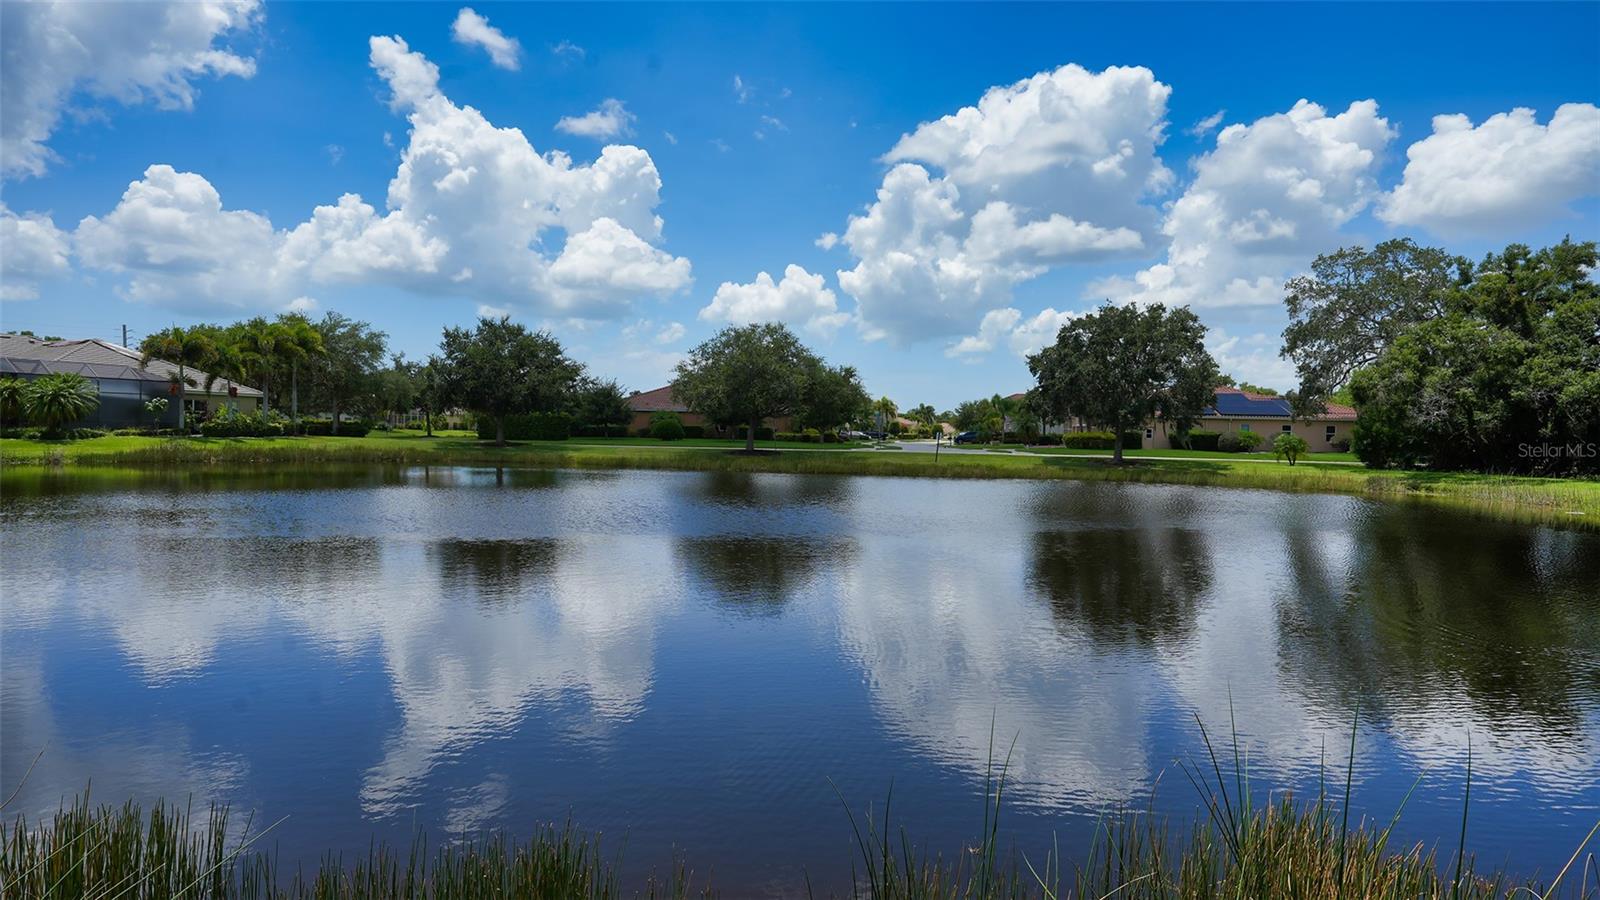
[1567,502]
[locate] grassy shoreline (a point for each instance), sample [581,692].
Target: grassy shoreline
[1565,502]
[1282,849]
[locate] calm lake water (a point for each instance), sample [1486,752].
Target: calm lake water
[695,660]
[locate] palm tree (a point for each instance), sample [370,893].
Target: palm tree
[258,342]
[184,346]
[1006,409]
[55,400]
[885,406]
[11,392]
[927,416]
[231,360]
[297,340]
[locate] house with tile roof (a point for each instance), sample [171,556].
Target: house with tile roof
[1270,416]
[124,384]
[1237,410]
[646,404]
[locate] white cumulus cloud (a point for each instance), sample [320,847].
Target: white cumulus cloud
[1510,171]
[58,55]
[1269,197]
[1008,328]
[475,31]
[610,119]
[799,298]
[1052,170]
[34,249]
[472,210]
[177,244]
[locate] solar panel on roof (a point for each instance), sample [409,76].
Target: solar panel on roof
[1229,404]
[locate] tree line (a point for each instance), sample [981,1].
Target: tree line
[498,369]
[1493,366]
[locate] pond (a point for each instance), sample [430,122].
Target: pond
[711,662]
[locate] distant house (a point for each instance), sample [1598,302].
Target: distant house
[1237,410]
[646,404]
[124,385]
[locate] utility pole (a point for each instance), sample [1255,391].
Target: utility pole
[124,335]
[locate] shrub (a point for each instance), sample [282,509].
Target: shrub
[830,437]
[52,401]
[762,434]
[694,431]
[600,431]
[1089,440]
[11,391]
[232,423]
[666,426]
[1238,441]
[529,427]
[324,427]
[1289,446]
[1196,439]
[1342,445]
[1101,440]
[1047,440]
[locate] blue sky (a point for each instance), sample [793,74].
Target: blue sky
[1072,170]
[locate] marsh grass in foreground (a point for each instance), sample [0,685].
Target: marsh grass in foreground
[1236,850]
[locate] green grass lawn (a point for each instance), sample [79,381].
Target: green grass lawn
[1567,501]
[1164,454]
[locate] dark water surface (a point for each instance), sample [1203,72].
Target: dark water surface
[687,659]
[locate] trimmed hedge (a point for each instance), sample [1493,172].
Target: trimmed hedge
[324,428]
[762,434]
[600,431]
[1101,440]
[809,436]
[1198,439]
[529,427]
[694,431]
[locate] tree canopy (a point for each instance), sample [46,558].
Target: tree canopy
[1121,365]
[832,396]
[745,374]
[1354,303]
[500,368]
[603,403]
[1506,378]
[351,352]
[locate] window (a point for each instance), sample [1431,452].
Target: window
[1244,426]
[1149,432]
[1330,434]
[1286,428]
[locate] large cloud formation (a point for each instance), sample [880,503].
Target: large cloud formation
[1270,196]
[1053,169]
[34,249]
[799,297]
[1509,171]
[55,52]
[472,208]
